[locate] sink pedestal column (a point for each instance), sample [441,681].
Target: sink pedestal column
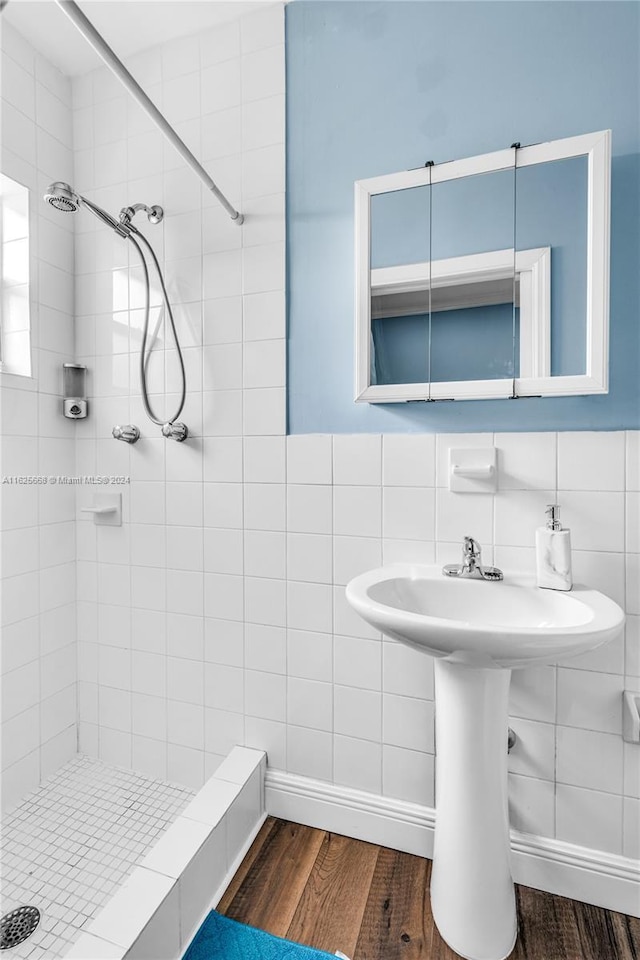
[472,894]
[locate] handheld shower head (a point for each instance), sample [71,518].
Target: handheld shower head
[61,196]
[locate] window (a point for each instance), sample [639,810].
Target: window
[15,347]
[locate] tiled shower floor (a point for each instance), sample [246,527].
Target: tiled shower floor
[68,845]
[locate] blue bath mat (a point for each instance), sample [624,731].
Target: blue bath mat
[220,938]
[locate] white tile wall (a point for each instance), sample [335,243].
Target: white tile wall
[38,540]
[167,590]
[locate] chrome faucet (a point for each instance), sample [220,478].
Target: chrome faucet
[471,565]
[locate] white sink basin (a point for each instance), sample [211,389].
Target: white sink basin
[477,630]
[511,622]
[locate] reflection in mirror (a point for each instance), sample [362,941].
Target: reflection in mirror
[552,210]
[400,227]
[466,331]
[475,340]
[462,285]
[400,235]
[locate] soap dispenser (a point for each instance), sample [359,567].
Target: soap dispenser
[553,552]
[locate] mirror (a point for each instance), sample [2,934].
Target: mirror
[485,277]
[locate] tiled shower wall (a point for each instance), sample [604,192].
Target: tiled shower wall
[161,599]
[38,542]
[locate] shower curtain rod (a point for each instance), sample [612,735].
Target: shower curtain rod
[102,48]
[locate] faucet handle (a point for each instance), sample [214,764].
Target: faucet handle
[471,547]
[127,432]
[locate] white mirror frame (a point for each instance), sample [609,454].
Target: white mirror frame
[597,148]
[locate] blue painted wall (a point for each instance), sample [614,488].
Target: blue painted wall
[373,88]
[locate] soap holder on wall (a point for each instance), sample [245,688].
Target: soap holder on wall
[106,509]
[473,470]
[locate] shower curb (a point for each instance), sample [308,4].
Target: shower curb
[161,905]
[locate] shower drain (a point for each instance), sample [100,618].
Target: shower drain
[17,925]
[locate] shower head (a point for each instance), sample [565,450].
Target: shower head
[61,196]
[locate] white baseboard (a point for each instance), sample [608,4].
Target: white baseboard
[591,876]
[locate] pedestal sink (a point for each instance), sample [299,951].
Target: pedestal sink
[478,631]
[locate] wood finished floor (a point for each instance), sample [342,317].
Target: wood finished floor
[372,903]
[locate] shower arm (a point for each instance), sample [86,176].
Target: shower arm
[102,48]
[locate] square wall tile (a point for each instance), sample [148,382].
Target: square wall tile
[264,459]
[357,764]
[589,759]
[309,459]
[589,818]
[408,775]
[408,461]
[310,704]
[631,830]
[357,459]
[408,513]
[633,460]
[309,753]
[632,521]
[358,662]
[596,520]
[532,805]
[265,411]
[533,694]
[265,601]
[265,554]
[407,722]
[518,513]
[309,606]
[406,671]
[265,648]
[526,461]
[591,461]
[264,506]
[309,508]
[265,695]
[632,646]
[459,516]
[357,713]
[354,555]
[592,701]
[357,511]
[309,655]
[309,557]
[223,596]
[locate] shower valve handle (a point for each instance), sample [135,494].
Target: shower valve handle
[175,431]
[129,433]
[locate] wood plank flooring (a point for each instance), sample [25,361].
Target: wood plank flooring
[372,903]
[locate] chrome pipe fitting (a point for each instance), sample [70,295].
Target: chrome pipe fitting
[175,431]
[129,433]
[154,214]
